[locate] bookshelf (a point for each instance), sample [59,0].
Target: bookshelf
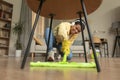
[6,10]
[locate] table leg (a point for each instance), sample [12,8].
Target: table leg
[89,33]
[31,35]
[51,15]
[80,15]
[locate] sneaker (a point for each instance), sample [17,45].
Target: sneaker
[50,56]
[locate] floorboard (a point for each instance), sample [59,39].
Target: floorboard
[10,70]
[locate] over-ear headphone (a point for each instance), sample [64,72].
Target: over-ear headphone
[77,21]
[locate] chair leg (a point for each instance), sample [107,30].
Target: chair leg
[107,50]
[100,52]
[32,56]
[114,46]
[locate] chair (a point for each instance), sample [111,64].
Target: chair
[105,45]
[97,44]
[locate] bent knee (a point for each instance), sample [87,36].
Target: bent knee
[69,57]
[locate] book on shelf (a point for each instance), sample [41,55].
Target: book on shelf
[2,52]
[4,33]
[3,42]
[6,10]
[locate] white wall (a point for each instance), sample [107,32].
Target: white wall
[103,17]
[100,20]
[15,18]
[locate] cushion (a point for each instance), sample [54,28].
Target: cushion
[76,48]
[77,42]
[38,41]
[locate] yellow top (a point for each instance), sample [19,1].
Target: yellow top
[61,33]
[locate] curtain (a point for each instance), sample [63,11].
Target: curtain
[26,19]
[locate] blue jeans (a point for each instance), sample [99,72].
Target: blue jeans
[52,44]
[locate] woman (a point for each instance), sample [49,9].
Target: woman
[62,32]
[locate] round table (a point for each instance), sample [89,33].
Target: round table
[63,9]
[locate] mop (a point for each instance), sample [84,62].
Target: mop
[64,63]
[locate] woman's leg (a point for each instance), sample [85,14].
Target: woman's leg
[50,47]
[51,42]
[69,57]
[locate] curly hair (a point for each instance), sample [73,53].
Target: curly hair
[78,22]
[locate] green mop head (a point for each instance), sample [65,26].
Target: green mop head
[63,64]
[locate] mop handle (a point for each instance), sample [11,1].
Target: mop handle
[64,58]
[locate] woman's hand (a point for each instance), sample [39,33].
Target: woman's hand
[66,47]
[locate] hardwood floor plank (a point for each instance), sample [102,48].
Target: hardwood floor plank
[10,70]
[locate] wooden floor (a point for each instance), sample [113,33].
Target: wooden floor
[10,70]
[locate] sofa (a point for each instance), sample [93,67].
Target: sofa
[77,47]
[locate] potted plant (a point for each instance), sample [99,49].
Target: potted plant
[17,30]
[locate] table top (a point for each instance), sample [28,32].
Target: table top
[63,9]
